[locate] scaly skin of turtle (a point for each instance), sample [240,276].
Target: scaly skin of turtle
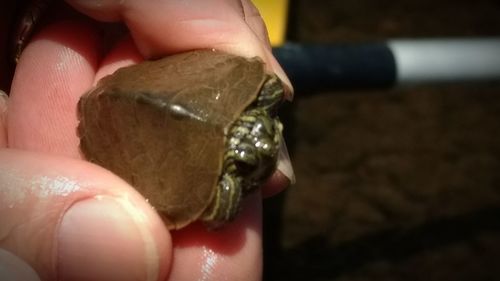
[252,146]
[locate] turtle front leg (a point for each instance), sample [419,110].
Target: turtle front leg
[226,202]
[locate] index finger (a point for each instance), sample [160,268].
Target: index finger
[166,27]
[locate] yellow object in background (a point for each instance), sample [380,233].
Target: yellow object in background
[274,13]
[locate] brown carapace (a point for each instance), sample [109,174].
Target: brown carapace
[164,127]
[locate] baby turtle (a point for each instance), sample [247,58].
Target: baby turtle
[193,132]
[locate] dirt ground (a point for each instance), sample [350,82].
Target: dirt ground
[400,184]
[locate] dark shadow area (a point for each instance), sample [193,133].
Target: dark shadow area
[401,184]
[316,259]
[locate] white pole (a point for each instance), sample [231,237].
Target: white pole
[446,60]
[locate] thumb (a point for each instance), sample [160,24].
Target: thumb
[70,220]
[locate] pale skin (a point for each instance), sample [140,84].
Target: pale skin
[70,220]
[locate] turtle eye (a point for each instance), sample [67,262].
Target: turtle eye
[245,158]
[254,161]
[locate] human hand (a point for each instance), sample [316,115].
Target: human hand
[71,220]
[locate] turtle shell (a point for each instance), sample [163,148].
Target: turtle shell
[160,125]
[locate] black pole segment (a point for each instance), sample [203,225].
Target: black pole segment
[313,68]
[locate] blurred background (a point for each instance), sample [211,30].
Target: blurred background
[392,184]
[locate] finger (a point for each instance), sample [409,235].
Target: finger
[283,177]
[55,69]
[276,184]
[70,220]
[255,22]
[3,119]
[231,253]
[165,27]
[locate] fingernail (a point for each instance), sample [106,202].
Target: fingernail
[100,239]
[284,162]
[15,269]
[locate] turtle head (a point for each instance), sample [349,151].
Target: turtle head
[254,138]
[252,146]
[255,146]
